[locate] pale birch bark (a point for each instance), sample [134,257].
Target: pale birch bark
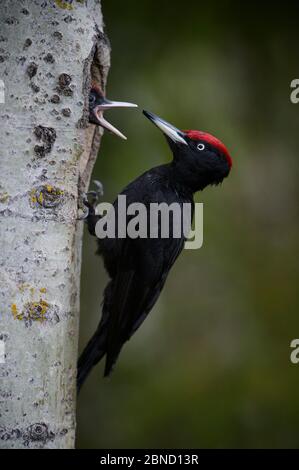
[49,51]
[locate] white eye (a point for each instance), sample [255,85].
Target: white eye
[200,146]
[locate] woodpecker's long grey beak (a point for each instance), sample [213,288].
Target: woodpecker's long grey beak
[105,105]
[168,129]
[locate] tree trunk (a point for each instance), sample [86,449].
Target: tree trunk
[50,50]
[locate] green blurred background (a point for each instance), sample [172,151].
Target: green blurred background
[210,367]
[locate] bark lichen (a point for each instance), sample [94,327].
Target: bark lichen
[48,136]
[46,196]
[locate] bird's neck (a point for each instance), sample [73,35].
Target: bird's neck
[185,179]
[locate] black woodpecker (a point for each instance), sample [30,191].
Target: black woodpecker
[138,268]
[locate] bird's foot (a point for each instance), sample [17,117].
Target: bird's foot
[90,200]
[97,193]
[84,208]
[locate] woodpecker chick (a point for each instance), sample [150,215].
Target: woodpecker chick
[138,268]
[98,104]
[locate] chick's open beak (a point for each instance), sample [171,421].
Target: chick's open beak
[104,106]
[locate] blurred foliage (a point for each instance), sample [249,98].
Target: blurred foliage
[210,367]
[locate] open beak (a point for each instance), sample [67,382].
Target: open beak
[168,129]
[105,105]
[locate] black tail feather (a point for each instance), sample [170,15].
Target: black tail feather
[92,354]
[110,362]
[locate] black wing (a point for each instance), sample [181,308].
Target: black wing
[141,274]
[138,270]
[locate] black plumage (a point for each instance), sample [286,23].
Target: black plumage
[138,268]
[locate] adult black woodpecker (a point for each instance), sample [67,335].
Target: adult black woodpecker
[138,268]
[98,104]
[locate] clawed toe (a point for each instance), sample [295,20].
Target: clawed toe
[97,193]
[84,210]
[99,187]
[90,200]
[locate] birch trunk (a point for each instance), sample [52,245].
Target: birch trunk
[49,52]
